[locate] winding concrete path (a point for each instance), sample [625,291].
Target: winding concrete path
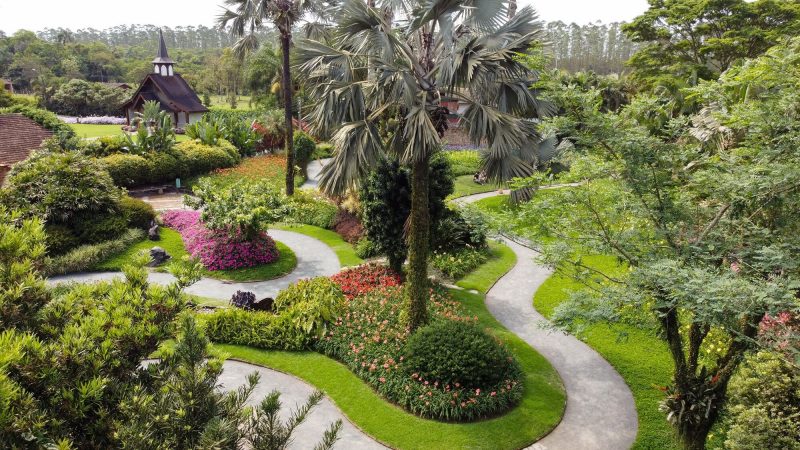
[314,168]
[601,413]
[294,393]
[314,259]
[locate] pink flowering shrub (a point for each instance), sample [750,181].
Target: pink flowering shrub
[370,338]
[218,249]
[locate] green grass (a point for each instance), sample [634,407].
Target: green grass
[345,252]
[502,260]
[90,131]
[171,242]
[539,411]
[465,186]
[641,358]
[221,102]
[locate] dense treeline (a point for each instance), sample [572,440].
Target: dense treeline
[600,48]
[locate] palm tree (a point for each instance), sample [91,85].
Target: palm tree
[247,17]
[371,71]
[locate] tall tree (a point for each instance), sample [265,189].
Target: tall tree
[246,17]
[450,48]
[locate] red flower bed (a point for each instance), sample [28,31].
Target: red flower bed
[364,279]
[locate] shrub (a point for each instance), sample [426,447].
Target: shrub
[459,263]
[127,170]
[206,131]
[87,256]
[365,249]
[310,305]
[304,148]
[61,188]
[311,208]
[463,162]
[456,352]
[102,229]
[197,158]
[255,329]
[364,279]
[60,239]
[271,129]
[460,229]
[347,225]
[764,405]
[164,167]
[323,150]
[104,146]
[137,213]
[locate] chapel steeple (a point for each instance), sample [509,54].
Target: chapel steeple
[162,64]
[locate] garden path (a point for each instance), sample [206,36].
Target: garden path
[601,413]
[314,259]
[294,393]
[314,168]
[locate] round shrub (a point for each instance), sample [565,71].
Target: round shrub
[60,239]
[61,188]
[304,147]
[163,167]
[137,213]
[127,170]
[453,352]
[197,158]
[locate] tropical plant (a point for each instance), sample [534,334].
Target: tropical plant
[372,71]
[246,17]
[206,131]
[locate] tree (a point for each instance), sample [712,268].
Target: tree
[371,72]
[690,38]
[248,16]
[702,215]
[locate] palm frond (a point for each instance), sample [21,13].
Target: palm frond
[358,149]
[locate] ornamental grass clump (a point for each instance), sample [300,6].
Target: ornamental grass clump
[370,338]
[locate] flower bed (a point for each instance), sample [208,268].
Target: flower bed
[94,120]
[371,338]
[216,249]
[364,279]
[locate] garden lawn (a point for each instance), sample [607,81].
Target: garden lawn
[465,186]
[343,249]
[501,260]
[91,131]
[171,242]
[641,358]
[539,411]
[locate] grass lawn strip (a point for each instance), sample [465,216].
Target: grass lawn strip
[171,242]
[464,186]
[345,252]
[501,260]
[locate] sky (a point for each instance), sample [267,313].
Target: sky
[39,14]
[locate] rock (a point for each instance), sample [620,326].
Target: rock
[158,256]
[265,304]
[153,233]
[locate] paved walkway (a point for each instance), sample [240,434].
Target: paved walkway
[601,413]
[314,259]
[294,393]
[314,168]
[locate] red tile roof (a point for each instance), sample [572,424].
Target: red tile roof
[19,136]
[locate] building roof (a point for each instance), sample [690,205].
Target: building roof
[19,136]
[162,57]
[118,85]
[173,92]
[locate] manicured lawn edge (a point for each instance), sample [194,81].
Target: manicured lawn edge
[482,279]
[641,358]
[464,187]
[345,252]
[540,410]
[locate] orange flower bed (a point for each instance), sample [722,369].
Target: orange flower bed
[271,167]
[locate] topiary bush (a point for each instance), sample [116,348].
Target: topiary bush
[127,170]
[458,353]
[138,213]
[304,147]
[197,158]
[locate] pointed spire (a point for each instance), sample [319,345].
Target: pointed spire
[162,57]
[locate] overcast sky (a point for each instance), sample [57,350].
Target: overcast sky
[39,14]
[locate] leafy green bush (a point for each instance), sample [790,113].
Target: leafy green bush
[464,162]
[206,131]
[459,353]
[197,158]
[458,263]
[103,146]
[311,304]
[304,147]
[84,98]
[127,170]
[164,167]
[87,256]
[138,213]
[764,405]
[60,239]
[102,229]
[311,208]
[459,229]
[365,249]
[324,150]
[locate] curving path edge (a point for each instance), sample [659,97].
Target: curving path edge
[601,412]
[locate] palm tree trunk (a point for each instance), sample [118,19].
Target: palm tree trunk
[286,40]
[418,238]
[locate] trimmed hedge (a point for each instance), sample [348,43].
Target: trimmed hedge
[87,256]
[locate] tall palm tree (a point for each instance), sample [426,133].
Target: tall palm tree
[371,71]
[246,18]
